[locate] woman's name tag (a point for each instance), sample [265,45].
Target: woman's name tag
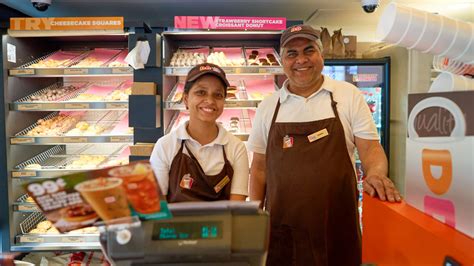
[221,184]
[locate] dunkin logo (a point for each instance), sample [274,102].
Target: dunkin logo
[209,68]
[205,68]
[296,28]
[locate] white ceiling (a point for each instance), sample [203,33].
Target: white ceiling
[334,14]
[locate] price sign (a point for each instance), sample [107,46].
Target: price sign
[76,71]
[31,239]
[22,72]
[47,186]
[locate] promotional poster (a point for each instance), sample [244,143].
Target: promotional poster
[81,199]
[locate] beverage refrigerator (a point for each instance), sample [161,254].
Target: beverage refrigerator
[372,77]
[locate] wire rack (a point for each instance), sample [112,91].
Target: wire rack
[106,119]
[80,89]
[113,82]
[58,158]
[277,57]
[65,64]
[26,130]
[22,199]
[31,221]
[105,64]
[44,158]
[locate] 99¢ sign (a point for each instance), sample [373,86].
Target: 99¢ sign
[47,187]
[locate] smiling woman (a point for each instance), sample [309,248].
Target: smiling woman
[200,160]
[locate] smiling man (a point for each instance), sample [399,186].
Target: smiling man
[303,140]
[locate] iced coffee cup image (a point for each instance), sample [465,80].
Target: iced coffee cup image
[106,196]
[140,186]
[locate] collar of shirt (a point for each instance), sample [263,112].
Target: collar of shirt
[285,93]
[222,136]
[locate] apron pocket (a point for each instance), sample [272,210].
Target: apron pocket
[281,248]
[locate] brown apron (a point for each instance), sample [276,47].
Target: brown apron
[198,186]
[311,195]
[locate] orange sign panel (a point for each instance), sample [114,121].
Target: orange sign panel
[64,24]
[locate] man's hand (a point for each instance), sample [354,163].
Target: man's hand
[381,186]
[375,165]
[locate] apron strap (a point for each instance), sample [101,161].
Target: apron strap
[194,158]
[181,148]
[275,113]
[225,156]
[333,105]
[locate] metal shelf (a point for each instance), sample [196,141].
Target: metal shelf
[242,135]
[174,102]
[68,101]
[36,242]
[72,72]
[67,68]
[69,105]
[106,119]
[21,140]
[229,104]
[57,162]
[21,205]
[242,70]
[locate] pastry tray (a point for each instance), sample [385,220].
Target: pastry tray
[107,119]
[57,161]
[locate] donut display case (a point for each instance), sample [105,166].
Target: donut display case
[249,59]
[67,106]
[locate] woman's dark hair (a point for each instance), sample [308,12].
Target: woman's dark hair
[188,85]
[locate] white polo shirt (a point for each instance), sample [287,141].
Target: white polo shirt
[209,156]
[351,106]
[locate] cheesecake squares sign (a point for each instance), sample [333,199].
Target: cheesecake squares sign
[66,24]
[229,23]
[440,156]
[81,199]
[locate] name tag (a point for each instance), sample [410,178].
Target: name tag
[318,135]
[221,184]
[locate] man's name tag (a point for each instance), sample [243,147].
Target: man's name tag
[318,135]
[221,184]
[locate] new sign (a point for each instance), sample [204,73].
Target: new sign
[229,23]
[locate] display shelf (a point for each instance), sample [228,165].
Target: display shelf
[57,161]
[242,70]
[24,140]
[21,205]
[37,242]
[59,106]
[67,68]
[65,102]
[108,120]
[229,104]
[174,102]
[241,128]
[73,72]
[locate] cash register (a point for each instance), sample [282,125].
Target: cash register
[200,233]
